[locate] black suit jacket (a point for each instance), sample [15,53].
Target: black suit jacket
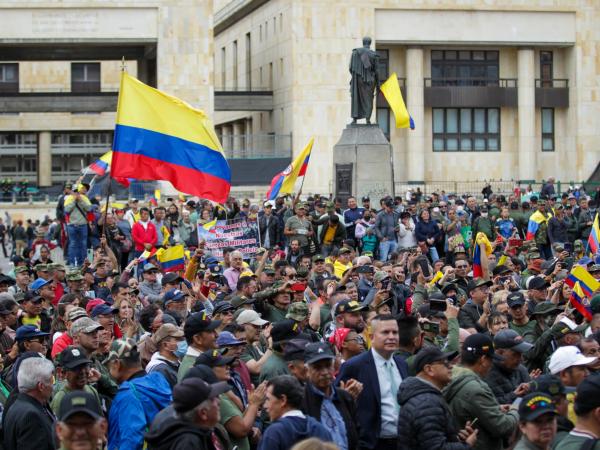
[28,425]
[272,228]
[368,406]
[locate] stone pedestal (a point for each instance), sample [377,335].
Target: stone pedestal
[362,164]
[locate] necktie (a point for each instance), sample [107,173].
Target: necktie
[394,385]
[215,441]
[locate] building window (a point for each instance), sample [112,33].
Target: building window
[280,21]
[260,33]
[383,120]
[85,77]
[464,68]
[9,77]
[547,129]
[18,140]
[223,67]
[546,68]
[235,65]
[466,129]
[383,67]
[248,62]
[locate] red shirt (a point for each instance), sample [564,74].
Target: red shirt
[143,235]
[62,342]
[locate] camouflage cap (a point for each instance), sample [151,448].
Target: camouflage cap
[76,313]
[122,349]
[21,269]
[297,311]
[41,267]
[74,275]
[302,272]
[56,266]
[84,325]
[380,276]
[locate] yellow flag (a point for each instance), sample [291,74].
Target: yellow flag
[393,95]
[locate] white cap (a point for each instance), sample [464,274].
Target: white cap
[252,317]
[568,356]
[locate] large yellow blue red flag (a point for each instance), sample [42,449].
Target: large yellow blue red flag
[283,182]
[171,259]
[159,137]
[535,220]
[393,95]
[586,281]
[579,301]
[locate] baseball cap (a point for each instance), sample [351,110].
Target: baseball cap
[479,344]
[478,282]
[544,308]
[170,278]
[79,402]
[122,349]
[568,356]
[223,306]
[172,295]
[213,358]
[92,304]
[197,323]
[511,340]
[588,394]
[57,267]
[28,332]
[537,283]
[192,391]
[297,311]
[380,276]
[20,269]
[284,330]
[349,306]
[318,258]
[568,326]
[84,325]
[227,339]
[240,300]
[515,299]
[500,269]
[74,275]
[73,357]
[295,349]
[535,405]
[549,384]
[166,330]
[75,313]
[38,284]
[344,251]
[317,351]
[149,267]
[103,309]
[252,317]
[429,355]
[31,296]
[365,199]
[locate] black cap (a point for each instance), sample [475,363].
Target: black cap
[73,357]
[449,287]
[588,394]
[515,299]
[538,283]
[295,349]
[477,282]
[549,384]
[535,405]
[213,358]
[429,355]
[79,402]
[223,306]
[284,330]
[171,278]
[511,340]
[479,344]
[197,323]
[500,269]
[349,306]
[317,351]
[192,391]
[366,199]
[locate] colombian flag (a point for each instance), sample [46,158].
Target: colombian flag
[392,93]
[171,259]
[159,137]
[210,226]
[579,302]
[594,238]
[535,220]
[580,276]
[101,165]
[283,182]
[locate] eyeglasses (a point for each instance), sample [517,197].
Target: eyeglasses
[462,266]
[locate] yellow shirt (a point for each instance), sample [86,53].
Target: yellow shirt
[339,268]
[329,234]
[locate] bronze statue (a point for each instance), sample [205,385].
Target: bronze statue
[363,68]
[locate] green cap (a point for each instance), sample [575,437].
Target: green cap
[240,300]
[297,311]
[380,276]
[302,272]
[40,267]
[21,269]
[318,258]
[74,275]
[122,349]
[544,308]
[56,266]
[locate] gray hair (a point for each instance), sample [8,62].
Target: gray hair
[33,371]
[190,416]
[6,296]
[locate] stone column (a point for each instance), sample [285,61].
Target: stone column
[238,139]
[415,104]
[526,101]
[44,162]
[226,139]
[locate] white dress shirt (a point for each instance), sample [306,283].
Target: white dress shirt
[389,403]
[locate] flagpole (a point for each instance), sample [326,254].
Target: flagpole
[108,192]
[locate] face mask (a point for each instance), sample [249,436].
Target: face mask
[182,347]
[484,214]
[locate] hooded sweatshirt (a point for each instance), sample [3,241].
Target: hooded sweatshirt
[133,409]
[175,434]
[288,430]
[469,397]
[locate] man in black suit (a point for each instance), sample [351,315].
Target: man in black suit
[381,373]
[268,225]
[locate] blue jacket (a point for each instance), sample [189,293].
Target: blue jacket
[287,431]
[134,408]
[368,405]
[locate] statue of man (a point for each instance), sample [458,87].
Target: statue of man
[363,68]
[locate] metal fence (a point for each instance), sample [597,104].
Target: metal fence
[246,146]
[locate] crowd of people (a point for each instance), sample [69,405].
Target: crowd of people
[435,321]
